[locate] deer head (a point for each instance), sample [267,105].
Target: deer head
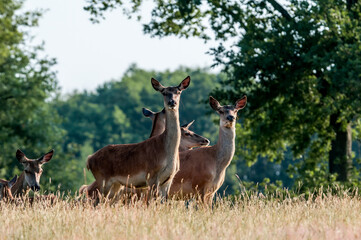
[228,113]
[158,121]
[171,94]
[189,139]
[33,168]
[5,186]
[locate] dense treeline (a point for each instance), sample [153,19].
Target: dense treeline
[87,121]
[113,113]
[299,66]
[297,60]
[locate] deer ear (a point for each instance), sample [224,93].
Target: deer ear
[214,103]
[184,84]
[156,85]
[12,181]
[46,158]
[20,156]
[147,112]
[241,103]
[187,125]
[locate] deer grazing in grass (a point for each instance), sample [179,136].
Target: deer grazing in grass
[189,140]
[202,170]
[151,163]
[30,177]
[5,188]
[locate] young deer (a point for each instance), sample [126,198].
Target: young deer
[202,170]
[189,139]
[151,163]
[30,177]
[5,188]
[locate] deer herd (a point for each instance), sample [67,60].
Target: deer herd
[173,162]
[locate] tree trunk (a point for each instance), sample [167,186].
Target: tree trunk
[340,156]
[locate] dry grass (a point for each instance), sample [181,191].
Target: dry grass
[254,217]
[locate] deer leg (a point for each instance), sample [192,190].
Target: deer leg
[210,200]
[207,199]
[114,190]
[92,190]
[164,190]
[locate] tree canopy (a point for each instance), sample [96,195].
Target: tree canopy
[113,113]
[299,64]
[26,81]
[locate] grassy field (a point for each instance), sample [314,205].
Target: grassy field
[250,217]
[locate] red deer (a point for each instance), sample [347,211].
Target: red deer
[189,140]
[151,163]
[5,188]
[202,170]
[30,177]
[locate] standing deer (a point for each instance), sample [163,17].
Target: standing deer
[30,177]
[5,188]
[151,163]
[189,140]
[202,170]
[158,121]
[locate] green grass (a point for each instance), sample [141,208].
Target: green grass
[250,217]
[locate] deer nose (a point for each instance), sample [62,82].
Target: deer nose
[206,141]
[35,188]
[230,118]
[171,103]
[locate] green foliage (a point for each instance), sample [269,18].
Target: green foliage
[26,81]
[297,75]
[300,68]
[28,118]
[113,113]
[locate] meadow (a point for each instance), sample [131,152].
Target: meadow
[255,216]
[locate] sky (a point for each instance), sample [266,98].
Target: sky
[90,54]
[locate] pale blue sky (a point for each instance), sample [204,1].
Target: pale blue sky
[90,54]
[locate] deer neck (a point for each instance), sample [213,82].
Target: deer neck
[158,126]
[225,147]
[20,186]
[183,148]
[172,133]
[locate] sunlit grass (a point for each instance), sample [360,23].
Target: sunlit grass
[323,216]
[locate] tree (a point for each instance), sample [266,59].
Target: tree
[113,113]
[299,64]
[27,121]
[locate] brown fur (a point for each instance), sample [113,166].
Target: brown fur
[103,166]
[30,177]
[5,190]
[202,170]
[150,163]
[188,140]
[18,189]
[197,174]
